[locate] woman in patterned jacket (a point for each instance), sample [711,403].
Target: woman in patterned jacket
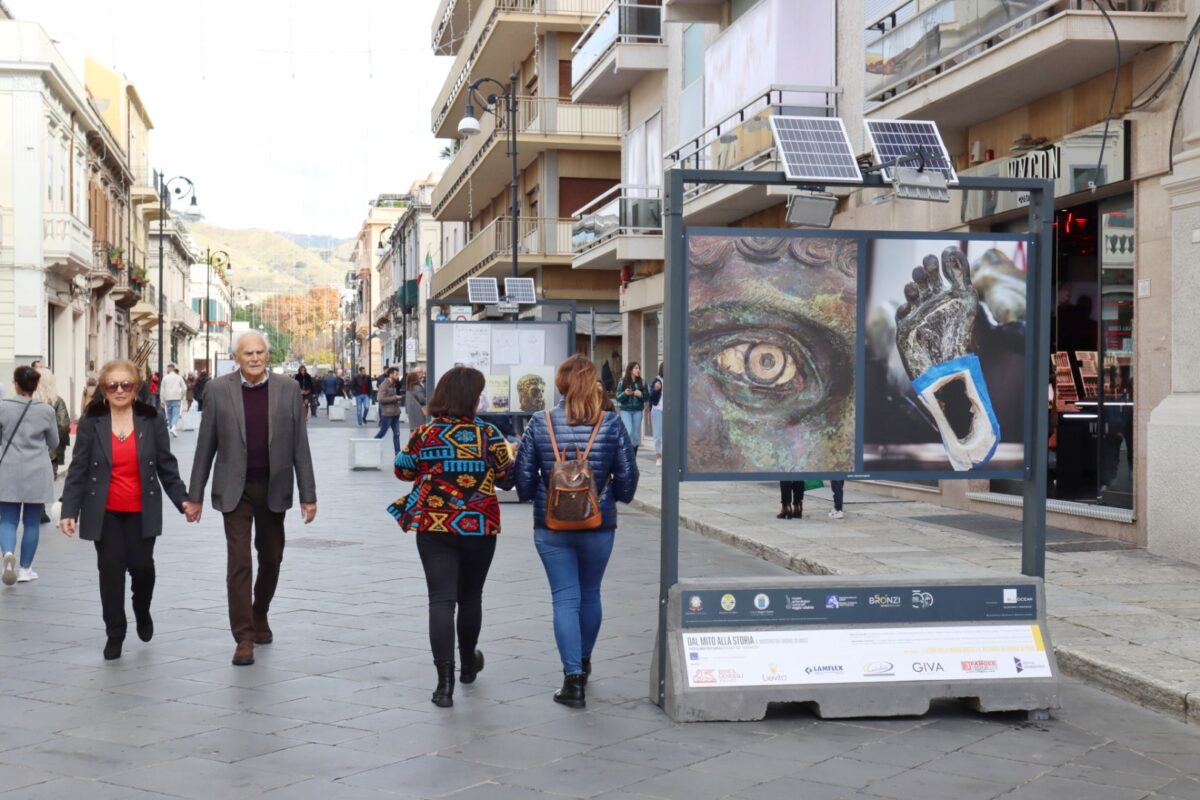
[455,462]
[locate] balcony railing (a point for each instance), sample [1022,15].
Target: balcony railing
[620,23]
[536,236]
[622,210]
[464,64]
[67,241]
[545,116]
[951,32]
[183,314]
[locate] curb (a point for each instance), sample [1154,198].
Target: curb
[1165,698]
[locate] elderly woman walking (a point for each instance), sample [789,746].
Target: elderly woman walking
[28,433]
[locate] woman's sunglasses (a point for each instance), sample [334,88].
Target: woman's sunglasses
[124,386]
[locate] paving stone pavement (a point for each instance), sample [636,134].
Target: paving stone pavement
[338,707]
[1121,619]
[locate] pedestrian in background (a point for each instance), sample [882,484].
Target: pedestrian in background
[331,385]
[112,497]
[575,561]
[47,392]
[791,496]
[838,496]
[631,399]
[153,388]
[190,380]
[28,432]
[89,392]
[454,511]
[656,414]
[389,407]
[198,390]
[307,395]
[173,390]
[254,428]
[414,401]
[360,389]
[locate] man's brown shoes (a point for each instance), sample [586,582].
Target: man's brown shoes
[243,656]
[262,632]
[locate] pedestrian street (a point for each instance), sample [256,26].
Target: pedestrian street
[339,705]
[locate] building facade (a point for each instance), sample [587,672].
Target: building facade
[181,319]
[211,299]
[370,284]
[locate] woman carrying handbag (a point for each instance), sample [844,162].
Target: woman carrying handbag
[28,433]
[576,445]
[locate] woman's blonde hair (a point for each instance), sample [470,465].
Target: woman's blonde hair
[46,390]
[576,381]
[111,367]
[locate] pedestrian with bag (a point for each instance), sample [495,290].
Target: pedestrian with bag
[173,390]
[455,461]
[631,400]
[576,462]
[120,470]
[389,407]
[791,495]
[28,434]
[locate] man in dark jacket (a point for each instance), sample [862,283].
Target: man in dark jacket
[360,390]
[333,386]
[198,389]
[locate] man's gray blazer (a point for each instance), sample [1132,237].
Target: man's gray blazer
[223,434]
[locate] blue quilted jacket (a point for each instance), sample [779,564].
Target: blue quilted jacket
[612,461]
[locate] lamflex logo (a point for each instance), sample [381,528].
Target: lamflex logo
[824,669]
[878,669]
[921,599]
[728,602]
[884,600]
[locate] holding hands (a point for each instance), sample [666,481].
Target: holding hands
[193,510]
[67,526]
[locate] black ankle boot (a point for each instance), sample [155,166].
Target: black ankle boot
[798,512]
[572,692]
[112,648]
[145,624]
[587,669]
[472,664]
[443,695]
[785,512]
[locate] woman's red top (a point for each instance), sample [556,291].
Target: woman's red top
[125,488]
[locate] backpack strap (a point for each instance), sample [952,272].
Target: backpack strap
[553,441]
[591,440]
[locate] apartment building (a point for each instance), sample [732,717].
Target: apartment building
[182,321]
[211,299]
[412,254]
[366,280]
[46,245]
[1015,89]
[568,152]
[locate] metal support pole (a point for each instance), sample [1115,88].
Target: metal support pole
[1033,510]
[675,321]
[511,107]
[207,301]
[162,295]
[401,250]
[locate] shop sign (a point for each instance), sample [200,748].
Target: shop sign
[1070,163]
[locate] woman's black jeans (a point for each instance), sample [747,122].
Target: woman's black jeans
[455,570]
[791,493]
[120,549]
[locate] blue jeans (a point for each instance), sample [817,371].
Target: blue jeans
[362,403]
[633,426]
[839,488]
[575,565]
[657,423]
[11,515]
[394,424]
[173,412]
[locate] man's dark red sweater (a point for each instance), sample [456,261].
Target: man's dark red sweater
[255,404]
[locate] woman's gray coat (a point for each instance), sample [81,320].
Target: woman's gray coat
[86,491]
[25,474]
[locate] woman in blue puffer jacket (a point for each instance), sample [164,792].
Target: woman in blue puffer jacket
[575,561]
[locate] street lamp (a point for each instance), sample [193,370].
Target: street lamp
[178,187]
[219,259]
[469,126]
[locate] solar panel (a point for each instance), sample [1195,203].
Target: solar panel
[815,149]
[894,138]
[483,290]
[520,290]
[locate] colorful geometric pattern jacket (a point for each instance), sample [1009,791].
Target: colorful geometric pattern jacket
[456,466]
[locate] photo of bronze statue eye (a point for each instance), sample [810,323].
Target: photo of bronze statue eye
[944,374]
[771,333]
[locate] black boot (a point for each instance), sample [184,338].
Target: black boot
[798,511]
[572,692]
[145,625]
[785,512]
[587,669]
[112,648]
[472,664]
[443,695]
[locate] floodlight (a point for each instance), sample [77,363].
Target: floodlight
[814,209]
[914,184]
[469,124]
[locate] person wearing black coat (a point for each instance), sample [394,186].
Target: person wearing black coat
[120,469]
[575,561]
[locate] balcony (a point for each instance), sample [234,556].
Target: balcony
[693,10]
[543,123]
[66,245]
[489,253]
[125,294]
[937,64]
[104,272]
[620,48]
[184,319]
[622,225]
[499,34]
[383,310]
[743,140]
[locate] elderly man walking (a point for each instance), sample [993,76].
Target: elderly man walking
[255,428]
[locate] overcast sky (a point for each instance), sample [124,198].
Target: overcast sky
[286,115]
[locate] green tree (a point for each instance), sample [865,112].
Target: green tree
[280,342]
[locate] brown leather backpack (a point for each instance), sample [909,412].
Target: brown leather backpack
[571,500]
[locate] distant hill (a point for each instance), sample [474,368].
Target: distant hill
[265,262]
